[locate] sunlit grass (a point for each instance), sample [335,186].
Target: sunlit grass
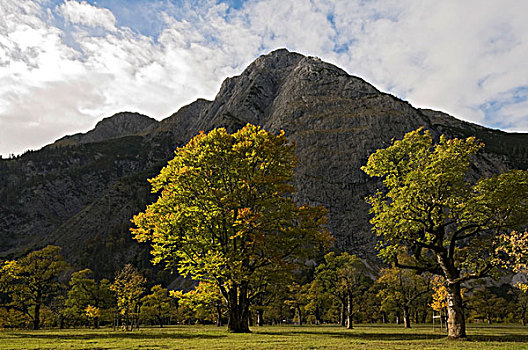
[283,337]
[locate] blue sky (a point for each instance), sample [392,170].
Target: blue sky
[66,64]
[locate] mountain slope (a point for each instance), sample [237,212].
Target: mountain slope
[81,195]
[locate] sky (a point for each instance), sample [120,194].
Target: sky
[66,64]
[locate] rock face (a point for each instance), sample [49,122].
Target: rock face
[81,192]
[118,125]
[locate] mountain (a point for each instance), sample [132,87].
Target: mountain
[81,191]
[116,126]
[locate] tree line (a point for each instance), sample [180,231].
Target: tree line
[39,289]
[225,216]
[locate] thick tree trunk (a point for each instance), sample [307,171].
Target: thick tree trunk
[299,314]
[406,317]
[349,312]
[36,314]
[456,326]
[342,319]
[238,310]
[260,318]
[218,316]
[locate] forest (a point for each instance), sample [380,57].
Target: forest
[225,219]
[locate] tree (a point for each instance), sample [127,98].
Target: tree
[226,213]
[128,286]
[86,294]
[158,304]
[343,276]
[205,300]
[485,304]
[32,281]
[432,207]
[403,288]
[512,250]
[439,297]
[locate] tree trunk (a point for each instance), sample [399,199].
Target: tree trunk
[456,326]
[95,323]
[36,315]
[406,317]
[349,312]
[260,319]
[342,319]
[238,310]
[218,316]
[299,314]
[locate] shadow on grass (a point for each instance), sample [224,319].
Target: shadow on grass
[500,338]
[365,336]
[118,335]
[359,335]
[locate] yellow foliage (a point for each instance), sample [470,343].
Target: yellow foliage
[92,311]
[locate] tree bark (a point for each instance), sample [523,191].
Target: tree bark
[342,319]
[218,316]
[238,310]
[299,314]
[456,325]
[36,315]
[260,318]
[349,312]
[406,317]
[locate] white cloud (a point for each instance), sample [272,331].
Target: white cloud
[88,15]
[450,55]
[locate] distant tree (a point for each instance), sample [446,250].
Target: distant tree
[297,299]
[521,298]
[448,222]
[403,288]
[319,303]
[85,293]
[32,281]
[344,277]
[486,305]
[226,212]
[158,304]
[512,250]
[129,287]
[205,300]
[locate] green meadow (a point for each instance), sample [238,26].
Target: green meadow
[269,337]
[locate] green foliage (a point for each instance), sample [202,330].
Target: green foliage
[225,214]
[403,289]
[128,287]
[157,305]
[85,293]
[205,301]
[431,207]
[31,282]
[344,277]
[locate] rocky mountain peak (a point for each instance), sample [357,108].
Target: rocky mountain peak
[82,197]
[118,125]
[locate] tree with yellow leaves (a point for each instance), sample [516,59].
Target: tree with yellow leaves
[225,214]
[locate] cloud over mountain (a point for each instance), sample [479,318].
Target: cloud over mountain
[67,64]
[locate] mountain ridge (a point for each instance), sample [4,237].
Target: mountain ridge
[82,195]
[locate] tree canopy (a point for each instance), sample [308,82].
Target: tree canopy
[431,206]
[225,214]
[32,281]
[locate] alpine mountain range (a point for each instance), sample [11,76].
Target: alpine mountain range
[81,191]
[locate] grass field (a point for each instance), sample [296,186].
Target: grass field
[283,337]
